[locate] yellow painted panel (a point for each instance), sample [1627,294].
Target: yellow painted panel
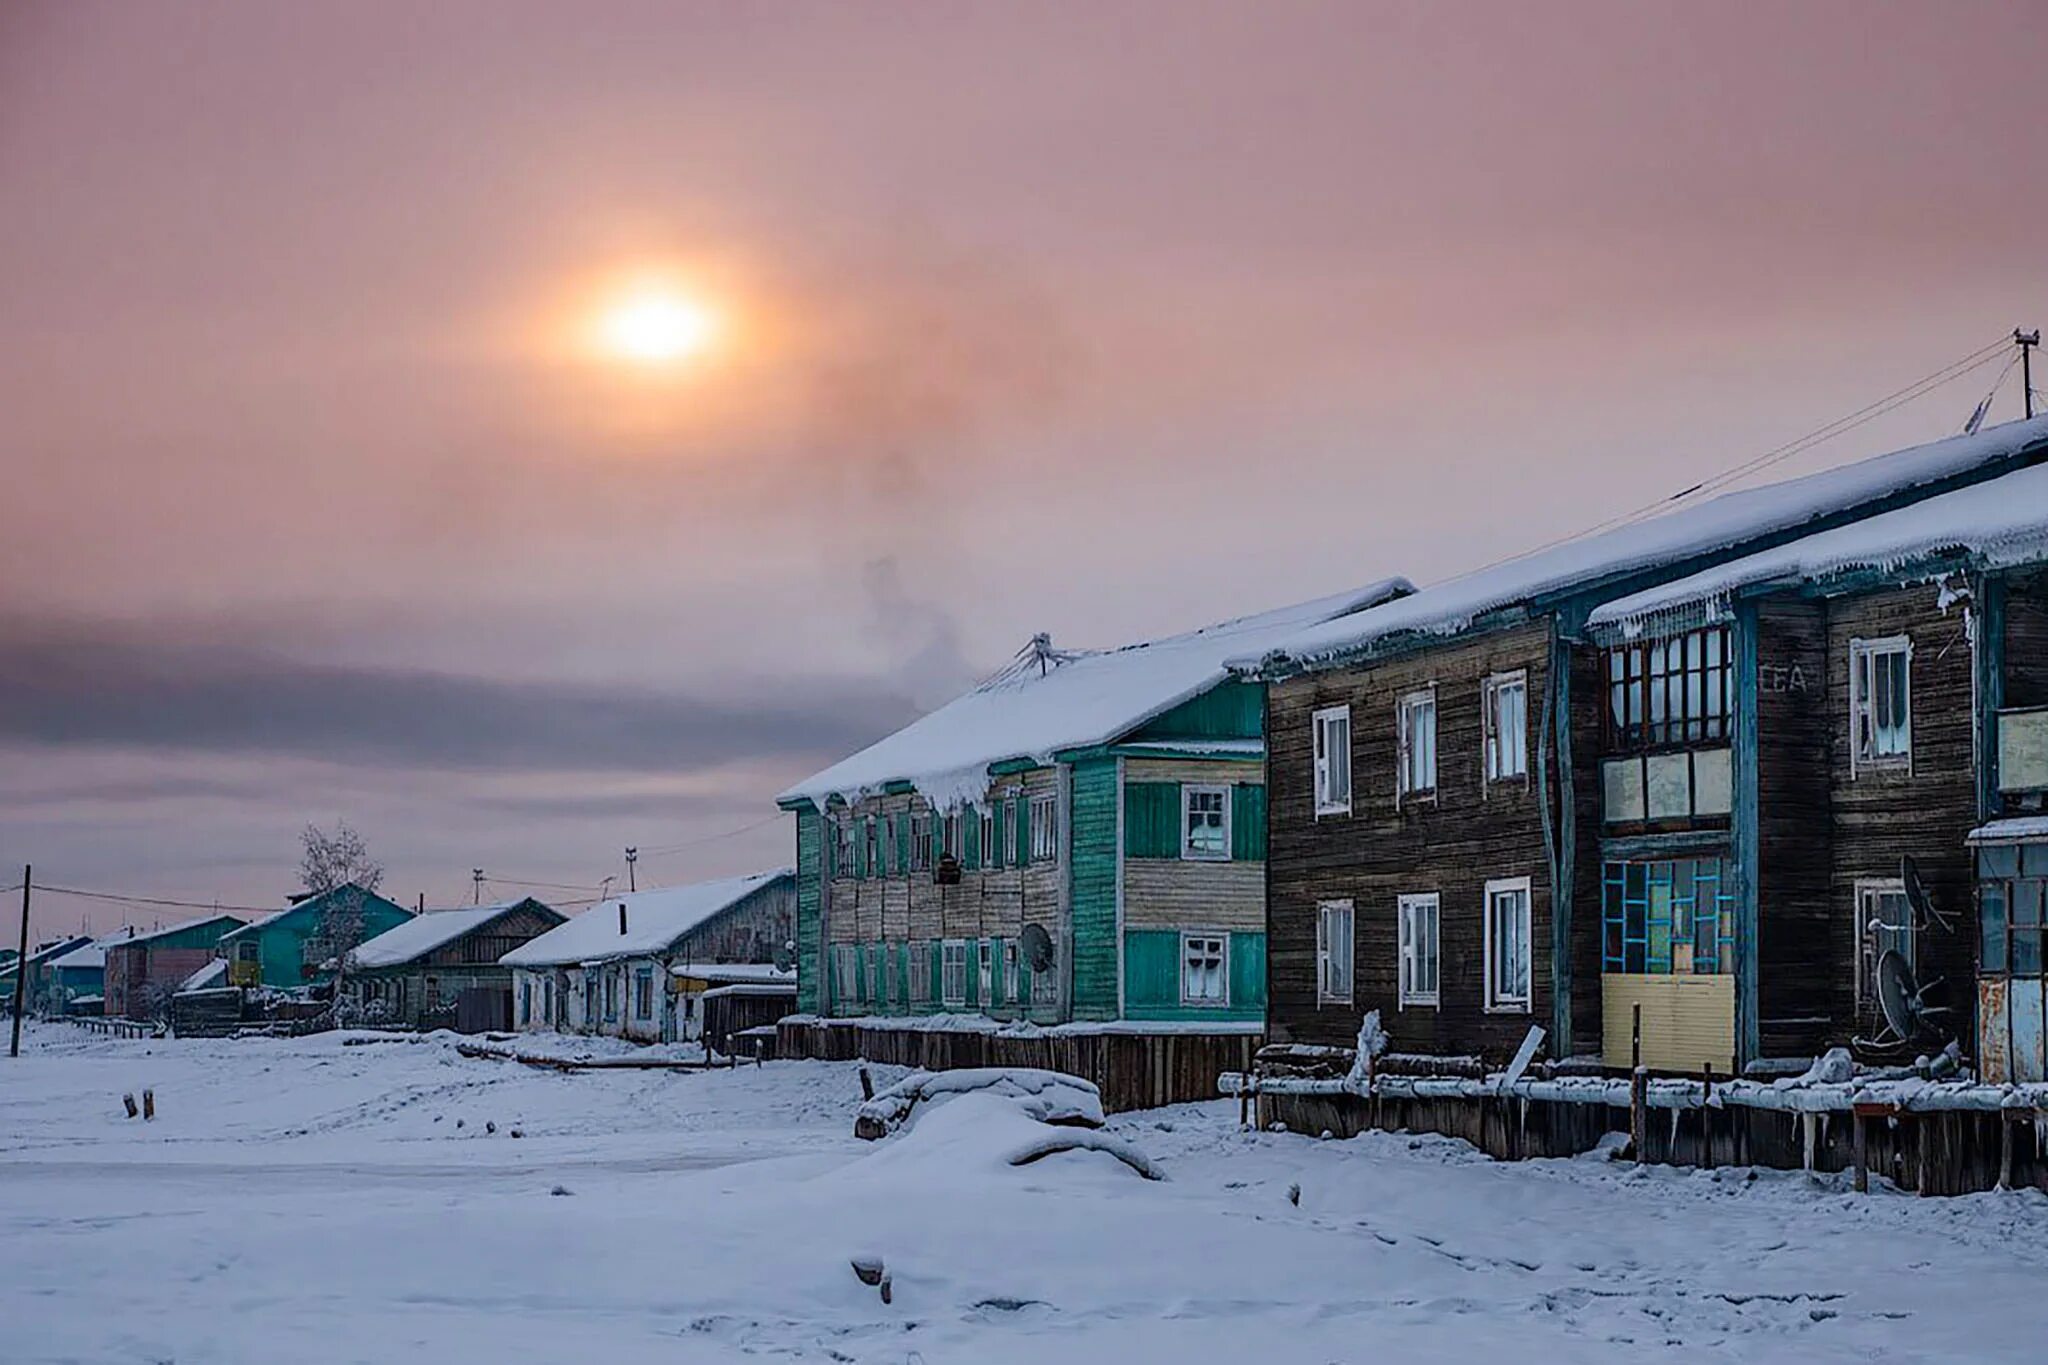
[1688,1021]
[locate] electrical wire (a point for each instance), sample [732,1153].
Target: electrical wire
[710,838]
[120,899]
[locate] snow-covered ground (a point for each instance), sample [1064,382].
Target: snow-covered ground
[304,1200]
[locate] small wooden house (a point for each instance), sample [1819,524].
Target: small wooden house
[441,969]
[144,967]
[716,1001]
[1487,813]
[302,944]
[45,994]
[607,971]
[71,982]
[1080,838]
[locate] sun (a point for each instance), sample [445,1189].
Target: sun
[656,325]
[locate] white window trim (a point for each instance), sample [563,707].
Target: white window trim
[920,973]
[991,830]
[1222,939]
[1866,887]
[1187,793]
[1859,650]
[1322,763]
[1013,980]
[947,996]
[1494,1004]
[1433,902]
[1490,737]
[1324,995]
[1409,701]
[1045,831]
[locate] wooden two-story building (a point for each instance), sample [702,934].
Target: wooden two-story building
[1081,839]
[1492,805]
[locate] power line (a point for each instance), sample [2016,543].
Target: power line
[710,838]
[120,899]
[549,886]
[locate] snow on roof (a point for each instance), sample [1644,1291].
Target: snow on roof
[1448,607]
[132,936]
[735,973]
[45,954]
[87,955]
[1082,700]
[422,934]
[214,973]
[655,919]
[2014,830]
[2000,521]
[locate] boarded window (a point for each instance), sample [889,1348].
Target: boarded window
[1152,820]
[1331,728]
[1417,928]
[1334,944]
[1415,722]
[1880,703]
[1505,703]
[1205,969]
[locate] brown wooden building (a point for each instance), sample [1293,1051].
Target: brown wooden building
[441,970]
[1500,801]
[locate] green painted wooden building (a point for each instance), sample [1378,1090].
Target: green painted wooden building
[1080,838]
[290,948]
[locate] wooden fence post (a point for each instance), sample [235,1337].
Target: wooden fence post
[2004,1150]
[1859,1141]
[1707,1118]
[1639,1113]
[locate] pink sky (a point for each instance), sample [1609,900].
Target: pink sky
[1097,319]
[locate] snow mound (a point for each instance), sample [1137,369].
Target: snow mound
[986,1130]
[1049,1097]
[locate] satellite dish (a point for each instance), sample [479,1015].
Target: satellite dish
[785,956]
[1037,947]
[1922,904]
[1903,1000]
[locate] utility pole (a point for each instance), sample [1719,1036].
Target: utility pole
[632,856]
[21,962]
[476,886]
[2027,341]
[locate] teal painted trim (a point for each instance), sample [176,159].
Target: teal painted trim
[1248,822]
[1988,659]
[1744,835]
[809,908]
[1230,710]
[1014,765]
[1092,887]
[1565,836]
[1152,969]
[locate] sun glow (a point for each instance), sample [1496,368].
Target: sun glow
[655,324]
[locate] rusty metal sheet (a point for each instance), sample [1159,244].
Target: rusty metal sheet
[2025,1004]
[1994,1055]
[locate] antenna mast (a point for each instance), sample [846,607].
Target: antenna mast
[2027,341]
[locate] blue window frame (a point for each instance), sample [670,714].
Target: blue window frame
[1673,916]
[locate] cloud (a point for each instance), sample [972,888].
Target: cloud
[160,686]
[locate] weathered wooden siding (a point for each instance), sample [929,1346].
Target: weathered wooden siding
[2026,640]
[1451,845]
[810,868]
[1093,859]
[1163,893]
[1880,816]
[1804,998]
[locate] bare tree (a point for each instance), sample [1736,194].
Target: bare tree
[336,859]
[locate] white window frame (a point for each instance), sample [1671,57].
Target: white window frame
[1331,947]
[1045,828]
[1496,755]
[920,972]
[1188,791]
[952,960]
[1328,766]
[1867,892]
[643,977]
[843,837]
[846,973]
[949,836]
[990,832]
[985,970]
[1863,656]
[1013,981]
[1406,786]
[1498,1002]
[1214,944]
[1422,910]
[922,841]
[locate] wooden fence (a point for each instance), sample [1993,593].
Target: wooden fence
[1132,1070]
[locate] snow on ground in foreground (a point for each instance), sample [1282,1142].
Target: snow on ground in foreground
[304,1200]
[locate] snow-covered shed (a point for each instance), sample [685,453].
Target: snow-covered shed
[442,969]
[1080,837]
[607,970]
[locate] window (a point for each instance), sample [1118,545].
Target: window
[1884,921]
[611,995]
[920,973]
[874,847]
[1505,713]
[643,993]
[953,972]
[246,950]
[1880,703]
[892,847]
[547,999]
[1334,944]
[1669,693]
[1416,923]
[1205,822]
[1331,729]
[985,970]
[1045,829]
[1416,765]
[1669,917]
[1011,981]
[1204,969]
[921,843]
[1507,945]
[991,852]
[2012,902]
[949,836]
[886,965]
[846,971]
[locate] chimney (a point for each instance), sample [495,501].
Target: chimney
[622,919]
